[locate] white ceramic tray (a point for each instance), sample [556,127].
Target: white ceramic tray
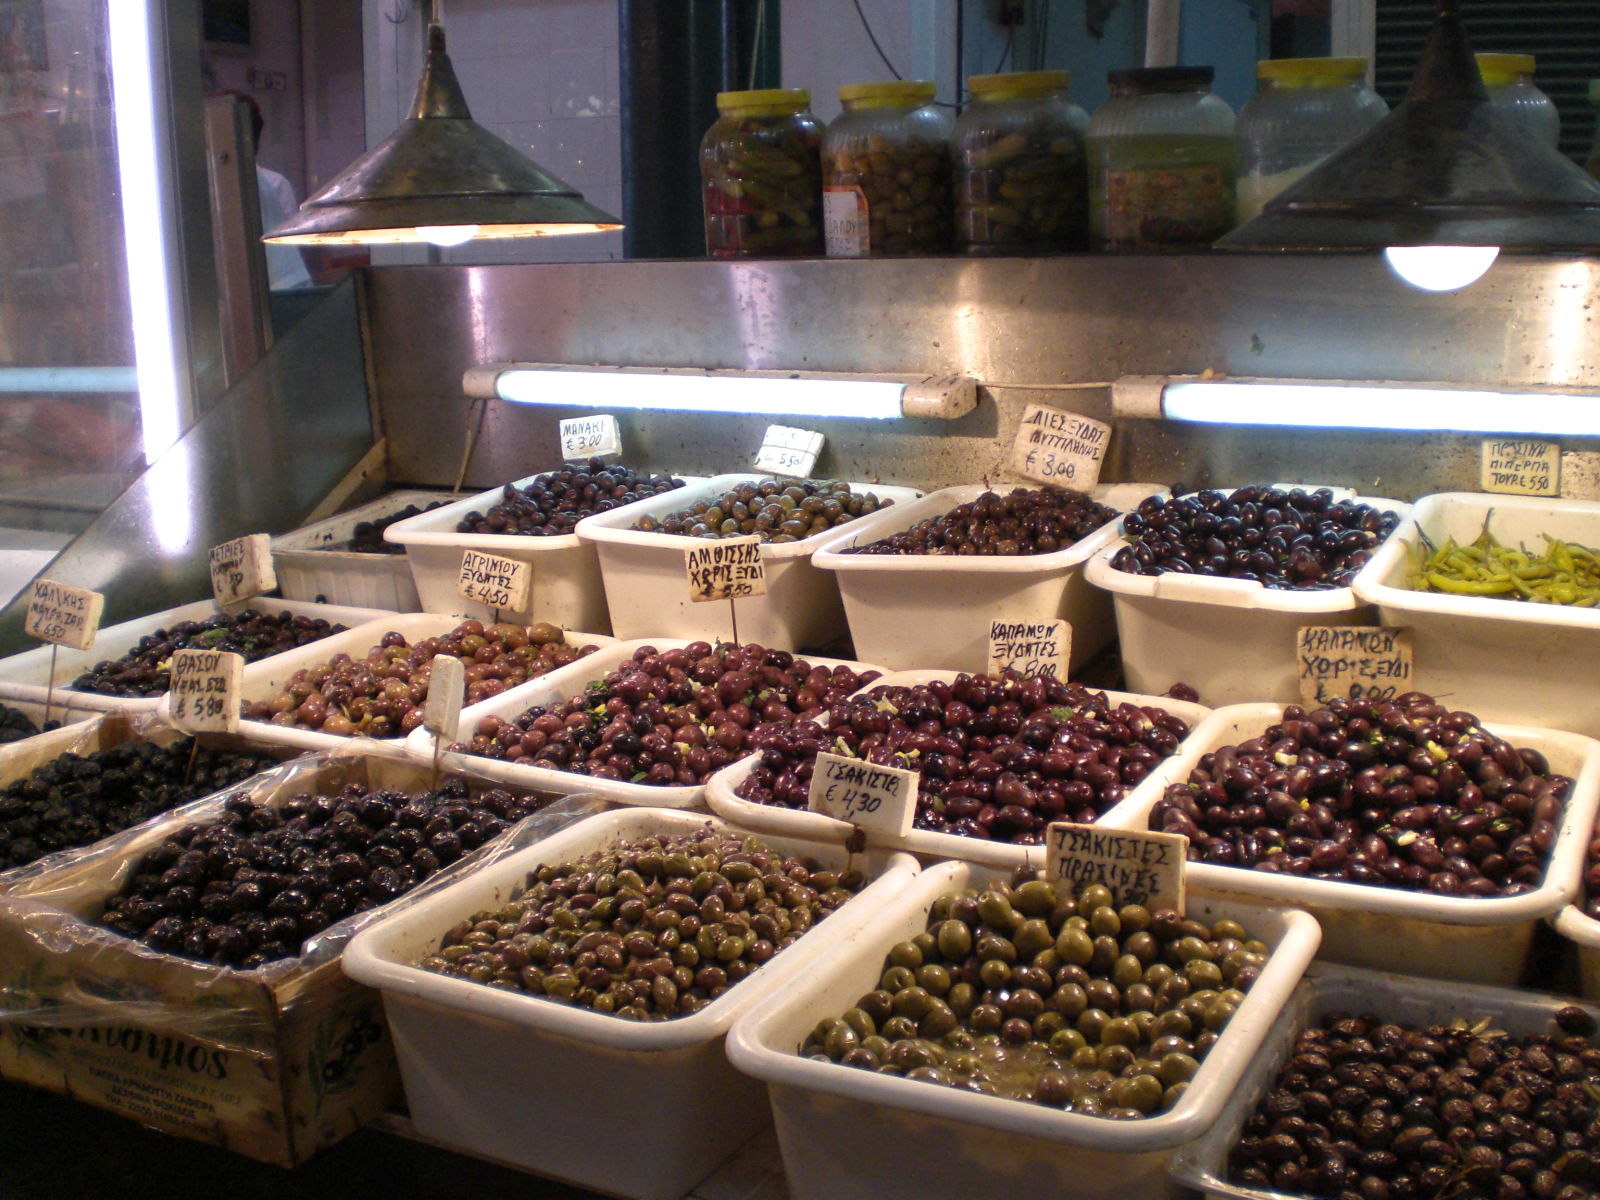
[556,687]
[1479,939]
[796,822]
[552,1088]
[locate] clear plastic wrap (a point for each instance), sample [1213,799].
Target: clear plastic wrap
[273,1062]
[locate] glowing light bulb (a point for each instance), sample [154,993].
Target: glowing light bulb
[447,235]
[1440,268]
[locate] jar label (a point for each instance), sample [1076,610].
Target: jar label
[847,231]
[1157,209]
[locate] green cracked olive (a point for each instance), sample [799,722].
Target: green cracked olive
[1030,992]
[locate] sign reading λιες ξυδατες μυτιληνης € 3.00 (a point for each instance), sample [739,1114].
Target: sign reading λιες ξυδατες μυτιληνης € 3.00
[1060,448]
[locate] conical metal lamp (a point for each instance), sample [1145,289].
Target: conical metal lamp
[444,174]
[1445,168]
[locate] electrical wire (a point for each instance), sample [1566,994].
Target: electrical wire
[755,42]
[867,25]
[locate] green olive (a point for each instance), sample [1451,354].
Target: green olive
[1096,895]
[1070,1000]
[1104,922]
[1091,1021]
[1075,946]
[1032,936]
[1066,1042]
[995,911]
[1035,898]
[1202,974]
[938,1020]
[1140,1092]
[955,940]
[1119,1031]
[1177,1068]
[994,973]
[840,1041]
[1113,1057]
[992,945]
[935,977]
[962,998]
[912,1002]
[1135,918]
[858,1020]
[896,979]
[905,954]
[897,1027]
[1127,971]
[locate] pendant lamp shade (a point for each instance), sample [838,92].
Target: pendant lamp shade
[445,175]
[1445,168]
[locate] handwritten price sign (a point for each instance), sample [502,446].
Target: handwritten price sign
[1520,468]
[1352,660]
[63,614]
[1139,868]
[1058,447]
[242,568]
[447,685]
[204,695]
[726,569]
[500,583]
[883,799]
[788,451]
[590,437]
[1030,647]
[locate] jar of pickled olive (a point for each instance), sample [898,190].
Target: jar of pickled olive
[762,176]
[886,172]
[1022,186]
[1304,110]
[1509,80]
[1161,161]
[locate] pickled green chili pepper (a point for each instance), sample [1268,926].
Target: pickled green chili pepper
[1566,573]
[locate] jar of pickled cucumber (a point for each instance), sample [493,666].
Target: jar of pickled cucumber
[886,172]
[1022,186]
[1161,161]
[1509,80]
[1304,110]
[762,177]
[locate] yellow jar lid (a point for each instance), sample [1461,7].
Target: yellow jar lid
[1500,69]
[1310,71]
[1019,83]
[770,99]
[890,91]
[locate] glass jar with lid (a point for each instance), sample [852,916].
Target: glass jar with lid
[1304,110]
[1022,185]
[886,171]
[1161,161]
[1509,79]
[761,174]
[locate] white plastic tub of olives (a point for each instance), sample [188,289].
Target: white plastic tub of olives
[643,568]
[135,680]
[853,1133]
[344,559]
[1103,752]
[579,690]
[1583,931]
[1508,661]
[931,606]
[283,701]
[566,573]
[635,1108]
[1408,1005]
[1232,638]
[1416,926]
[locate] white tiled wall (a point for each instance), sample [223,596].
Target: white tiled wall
[543,75]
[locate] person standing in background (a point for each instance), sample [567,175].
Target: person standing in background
[285,266]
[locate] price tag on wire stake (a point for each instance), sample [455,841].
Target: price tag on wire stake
[204,693]
[590,437]
[447,684]
[242,568]
[725,569]
[1030,647]
[63,614]
[1352,660]
[1061,448]
[1139,867]
[500,583]
[788,451]
[882,799]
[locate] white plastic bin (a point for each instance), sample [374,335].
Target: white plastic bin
[852,1134]
[927,844]
[931,610]
[1502,659]
[1478,939]
[648,593]
[264,680]
[553,689]
[1584,933]
[1232,640]
[26,676]
[566,572]
[306,570]
[1202,1165]
[641,1110]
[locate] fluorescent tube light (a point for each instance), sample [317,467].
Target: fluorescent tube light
[1357,406]
[764,393]
[145,224]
